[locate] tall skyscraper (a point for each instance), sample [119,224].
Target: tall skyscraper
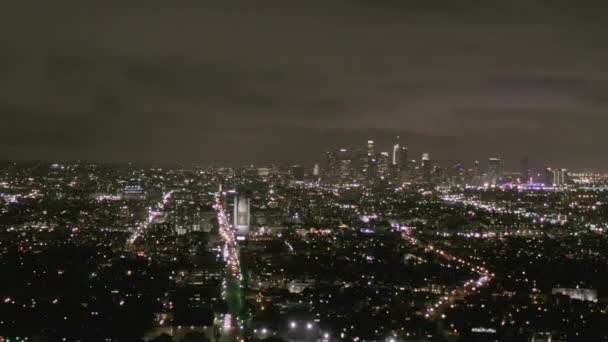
[403,162]
[242,214]
[370,164]
[548,179]
[370,149]
[556,177]
[456,174]
[427,168]
[383,164]
[331,171]
[344,165]
[563,177]
[475,173]
[359,164]
[396,154]
[339,165]
[403,165]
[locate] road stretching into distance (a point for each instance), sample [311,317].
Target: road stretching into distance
[435,310]
[232,290]
[153,213]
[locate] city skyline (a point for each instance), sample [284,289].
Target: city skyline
[367,253]
[324,171]
[173,83]
[388,148]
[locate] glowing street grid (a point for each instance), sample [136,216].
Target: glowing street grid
[232,290]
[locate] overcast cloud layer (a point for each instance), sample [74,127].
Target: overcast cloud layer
[258,81]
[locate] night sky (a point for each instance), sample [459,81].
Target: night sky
[231,82]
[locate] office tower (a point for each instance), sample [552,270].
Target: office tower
[315,170]
[456,174]
[438,174]
[396,154]
[383,164]
[548,178]
[563,177]
[330,166]
[556,177]
[344,164]
[427,168]
[403,162]
[339,166]
[242,214]
[495,170]
[370,168]
[370,149]
[359,164]
[403,165]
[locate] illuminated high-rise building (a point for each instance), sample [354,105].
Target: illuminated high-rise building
[399,157]
[360,164]
[370,149]
[548,177]
[402,167]
[370,168]
[565,177]
[560,177]
[315,170]
[330,166]
[383,163]
[344,164]
[396,154]
[427,168]
[556,177]
[242,215]
[403,162]
[457,174]
[339,166]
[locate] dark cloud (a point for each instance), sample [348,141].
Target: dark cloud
[239,81]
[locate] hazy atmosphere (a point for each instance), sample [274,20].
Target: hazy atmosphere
[246,81]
